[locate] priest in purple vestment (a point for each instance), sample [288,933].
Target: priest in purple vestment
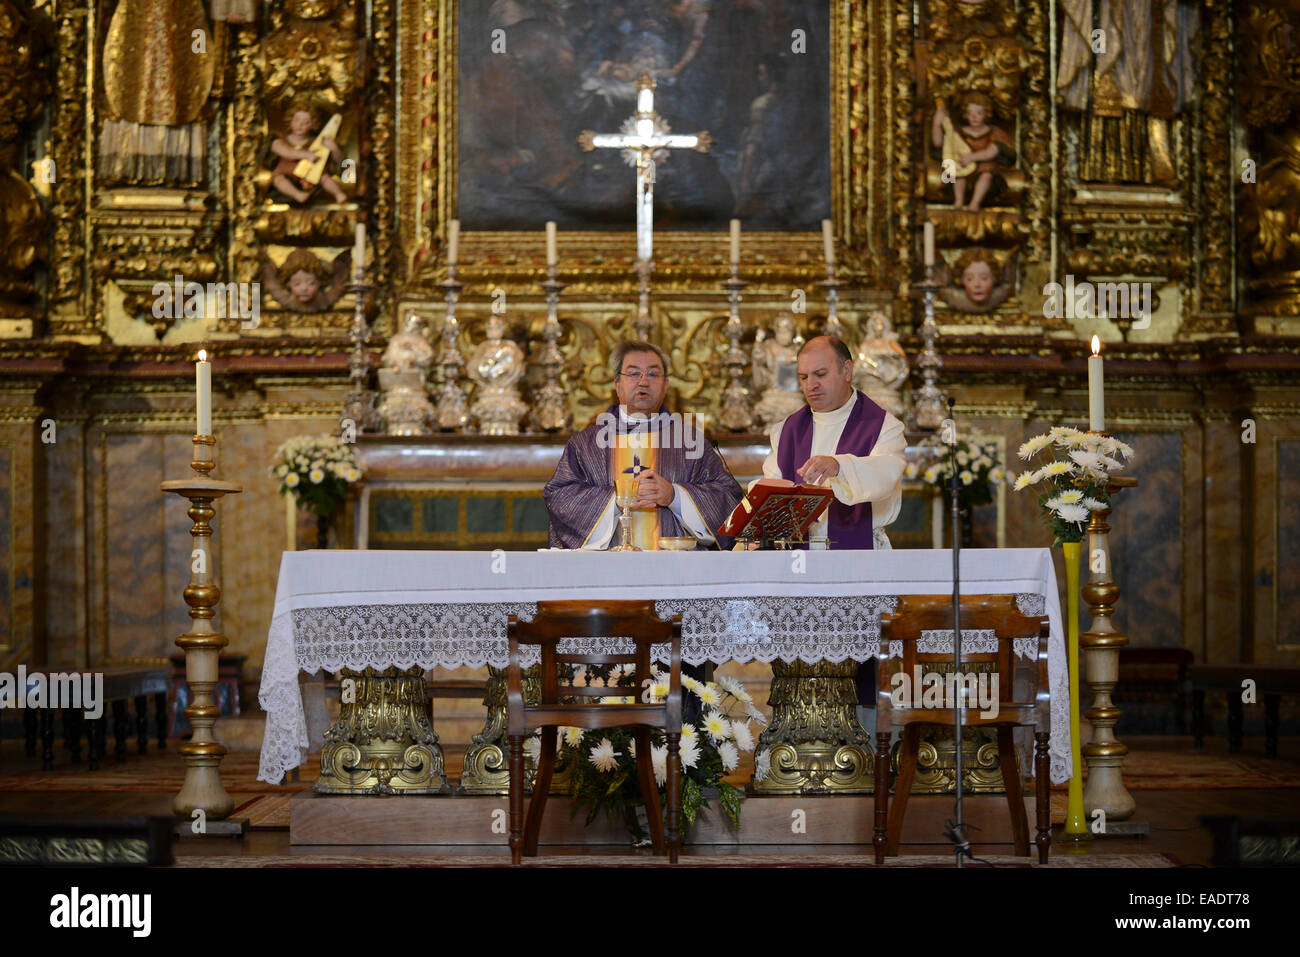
[684,489]
[843,438]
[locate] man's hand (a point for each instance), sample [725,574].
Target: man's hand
[818,468]
[654,490]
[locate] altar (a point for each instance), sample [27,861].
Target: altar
[359,610]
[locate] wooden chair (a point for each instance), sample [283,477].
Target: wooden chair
[606,619]
[1023,699]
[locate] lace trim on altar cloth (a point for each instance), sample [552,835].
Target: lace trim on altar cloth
[981,641]
[473,635]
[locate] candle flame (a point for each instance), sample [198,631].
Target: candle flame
[1096,345]
[203,355]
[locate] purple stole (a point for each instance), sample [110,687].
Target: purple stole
[848,526]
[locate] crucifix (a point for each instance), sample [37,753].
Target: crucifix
[644,134]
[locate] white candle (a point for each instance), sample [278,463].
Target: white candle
[203,385]
[453,241]
[928,232]
[735,241]
[359,251]
[550,243]
[1096,390]
[828,242]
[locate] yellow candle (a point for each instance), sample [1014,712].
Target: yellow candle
[203,386]
[828,242]
[735,241]
[1096,390]
[453,241]
[550,243]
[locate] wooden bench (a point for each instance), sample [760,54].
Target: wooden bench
[122,683]
[1155,675]
[1270,682]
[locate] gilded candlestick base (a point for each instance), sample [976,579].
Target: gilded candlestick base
[383,743]
[936,761]
[818,745]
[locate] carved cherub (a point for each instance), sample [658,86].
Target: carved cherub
[303,283]
[291,148]
[977,149]
[976,283]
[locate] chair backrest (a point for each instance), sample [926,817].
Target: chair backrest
[612,620]
[1022,684]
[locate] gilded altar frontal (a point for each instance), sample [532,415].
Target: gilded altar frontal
[403,245]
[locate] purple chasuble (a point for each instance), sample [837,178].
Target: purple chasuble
[848,526]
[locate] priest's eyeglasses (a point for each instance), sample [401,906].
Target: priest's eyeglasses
[654,375]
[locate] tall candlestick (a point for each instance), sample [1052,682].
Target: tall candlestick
[735,241]
[359,251]
[203,386]
[453,241]
[828,242]
[551,256]
[1096,390]
[928,232]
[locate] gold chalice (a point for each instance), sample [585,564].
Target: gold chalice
[625,489]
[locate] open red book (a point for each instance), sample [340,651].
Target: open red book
[777,508]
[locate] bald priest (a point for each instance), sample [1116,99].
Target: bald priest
[684,489]
[842,438]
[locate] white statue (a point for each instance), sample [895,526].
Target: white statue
[776,372]
[403,380]
[496,367]
[880,366]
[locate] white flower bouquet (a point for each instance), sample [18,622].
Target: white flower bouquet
[602,764]
[979,471]
[317,469]
[1077,478]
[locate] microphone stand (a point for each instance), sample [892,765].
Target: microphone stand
[957,830]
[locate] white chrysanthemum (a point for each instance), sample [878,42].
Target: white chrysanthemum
[572,736]
[688,731]
[1075,440]
[631,749]
[966,477]
[281,470]
[690,752]
[718,727]
[1054,468]
[931,474]
[744,737]
[756,714]
[1068,497]
[734,688]
[352,475]
[997,475]
[317,476]
[603,756]
[1034,446]
[708,694]
[963,458]
[1061,431]
[690,684]
[762,764]
[1089,460]
[1024,480]
[292,480]
[912,470]
[1072,513]
[659,761]
[658,691]
[1093,505]
[533,748]
[729,755]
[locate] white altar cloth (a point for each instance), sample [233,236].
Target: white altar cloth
[357,609]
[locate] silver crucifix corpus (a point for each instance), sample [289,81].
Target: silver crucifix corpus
[645,141]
